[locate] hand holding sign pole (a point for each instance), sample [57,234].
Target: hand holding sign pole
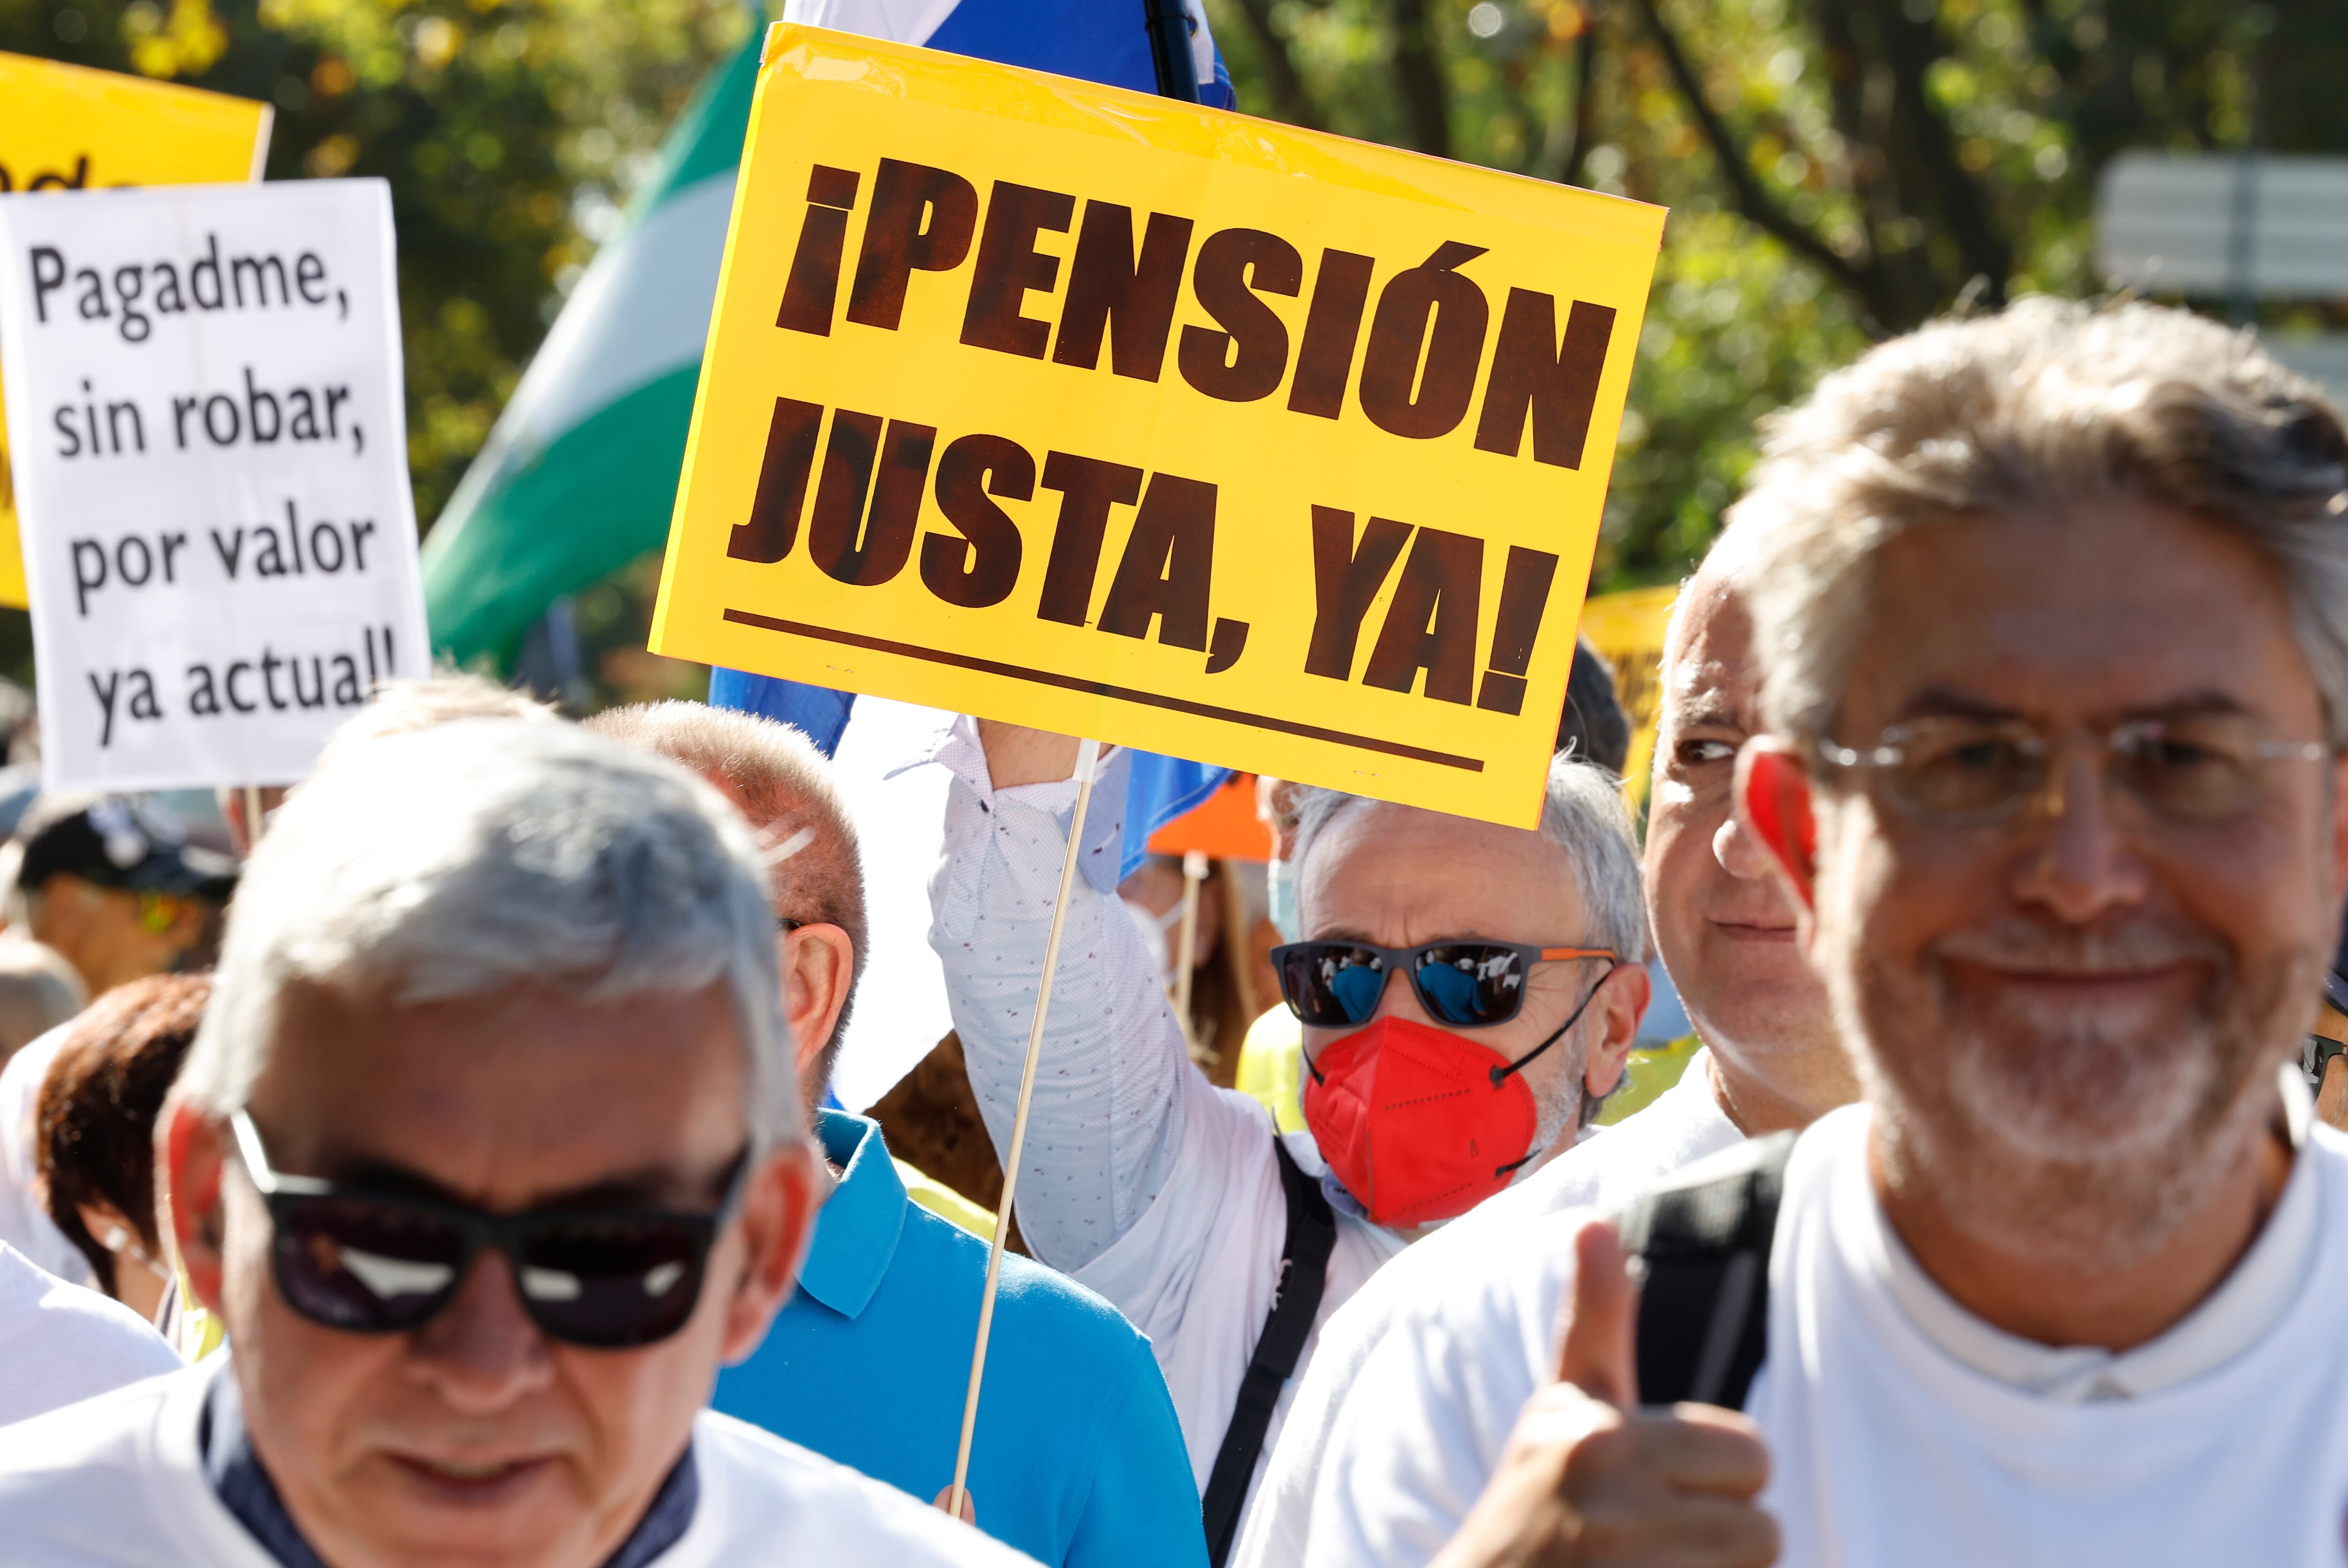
[1110,416]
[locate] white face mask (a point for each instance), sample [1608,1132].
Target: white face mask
[1280,886]
[1157,935]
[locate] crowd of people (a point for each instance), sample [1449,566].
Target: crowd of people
[456,1178]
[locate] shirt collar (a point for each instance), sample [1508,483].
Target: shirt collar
[2243,1308]
[246,1491]
[856,1229]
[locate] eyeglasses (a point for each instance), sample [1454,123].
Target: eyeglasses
[2315,1054]
[374,1263]
[1469,985]
[2206,768]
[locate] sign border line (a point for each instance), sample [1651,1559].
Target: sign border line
[1103,688]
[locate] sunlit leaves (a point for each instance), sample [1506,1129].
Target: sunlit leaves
[506,127]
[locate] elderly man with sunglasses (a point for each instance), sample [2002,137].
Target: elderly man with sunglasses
[1725,929]
[1076,1458]
[488,1152]
[1469,992]
[2053,613]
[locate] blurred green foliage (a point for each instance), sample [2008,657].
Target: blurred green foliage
[511,132]
[1837,169]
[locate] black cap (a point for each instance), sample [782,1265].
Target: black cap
[116,843]
[1594,722]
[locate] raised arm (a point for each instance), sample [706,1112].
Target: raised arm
[1115,1093]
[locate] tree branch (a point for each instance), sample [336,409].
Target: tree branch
[1900,291]
[1585,106]
[1910,47]
[1753,201]
[1289,99]
[1419,70]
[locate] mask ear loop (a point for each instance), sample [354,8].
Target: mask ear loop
[1500,1075]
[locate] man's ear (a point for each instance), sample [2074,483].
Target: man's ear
[1621,1004]
[779,1211]
[2339,829]
[187,926]
[190,1160]
[1772,804]
[819,964]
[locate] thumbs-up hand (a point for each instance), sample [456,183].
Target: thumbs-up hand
[1589,1479]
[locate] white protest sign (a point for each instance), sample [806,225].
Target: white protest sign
[205,411]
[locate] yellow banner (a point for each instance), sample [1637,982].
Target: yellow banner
[1174,427]
[1628,628]
[66,127]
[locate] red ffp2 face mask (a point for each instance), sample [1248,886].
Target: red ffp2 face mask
[1418,1123]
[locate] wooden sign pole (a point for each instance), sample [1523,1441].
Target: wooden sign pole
[1088,765]
[1186,950]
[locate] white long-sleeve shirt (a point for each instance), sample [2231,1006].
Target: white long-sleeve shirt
[1141,1179]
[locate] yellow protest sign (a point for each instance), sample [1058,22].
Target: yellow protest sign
[1169,427]
[1628,628]
[68,128]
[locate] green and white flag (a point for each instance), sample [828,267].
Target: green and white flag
[580,475]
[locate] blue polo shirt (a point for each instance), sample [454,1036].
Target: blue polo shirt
[1079,1459]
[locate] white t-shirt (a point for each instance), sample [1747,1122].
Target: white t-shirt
[60,1343]
[1889,1450]
[1604,1173]
[119,1482]
[24,1223]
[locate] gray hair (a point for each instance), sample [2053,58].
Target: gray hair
[465,860]
[2046,405]
[787,788]
[1583,813]
[405,706]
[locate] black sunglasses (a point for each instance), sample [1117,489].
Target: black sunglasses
[2315,1054]
[374,1263]
[1467,983]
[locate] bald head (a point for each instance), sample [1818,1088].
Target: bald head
[784,787]
[1724,926]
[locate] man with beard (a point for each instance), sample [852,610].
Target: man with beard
[2054,612]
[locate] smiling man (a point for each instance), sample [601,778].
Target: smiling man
[488,1152]
[1724,924]
[2053,615]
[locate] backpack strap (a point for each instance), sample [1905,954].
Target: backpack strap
[1304,1277]
[1704,1309]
